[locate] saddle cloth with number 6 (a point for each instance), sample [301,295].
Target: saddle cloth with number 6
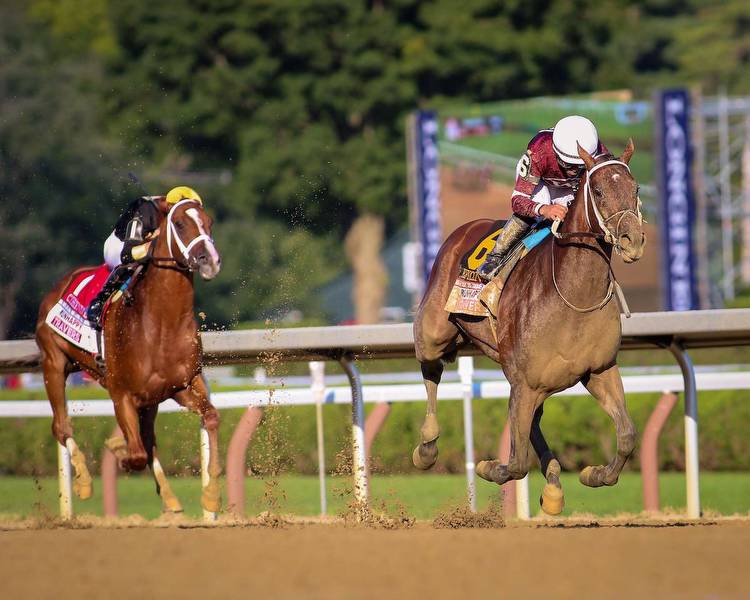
[465,297]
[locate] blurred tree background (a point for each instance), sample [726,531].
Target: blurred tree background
[287,116]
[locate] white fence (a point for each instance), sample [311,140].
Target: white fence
[376,393]
[674,331]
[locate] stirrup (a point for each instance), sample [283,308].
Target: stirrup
[99,358]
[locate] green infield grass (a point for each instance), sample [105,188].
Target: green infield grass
[421,496]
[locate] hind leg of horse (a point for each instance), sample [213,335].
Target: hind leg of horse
[552,500]
[54,368]
[607,388]
[524,402]
[195,398]
[147,417]
[425,454]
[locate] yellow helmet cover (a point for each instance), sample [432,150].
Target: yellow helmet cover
[182,192]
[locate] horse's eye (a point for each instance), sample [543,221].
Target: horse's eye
[179,225]
[598,192]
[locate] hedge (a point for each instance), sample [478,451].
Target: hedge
[576,428]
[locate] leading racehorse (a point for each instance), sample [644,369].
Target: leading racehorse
[556,324]
[152,351]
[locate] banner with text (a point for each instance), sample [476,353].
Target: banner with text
[428,189]
[677,207]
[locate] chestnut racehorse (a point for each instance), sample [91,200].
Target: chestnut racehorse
[152,353]
[555,325]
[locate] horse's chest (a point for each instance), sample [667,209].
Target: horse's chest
[558,357]
[591,348]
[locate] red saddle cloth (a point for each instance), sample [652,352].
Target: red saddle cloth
[84,288]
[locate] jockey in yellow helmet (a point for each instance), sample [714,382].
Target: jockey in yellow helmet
[130,242]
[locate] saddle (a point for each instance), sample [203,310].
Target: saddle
[470,295]
[68,318]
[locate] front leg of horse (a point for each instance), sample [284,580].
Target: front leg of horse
[131,455]
[195,398]
[607,388]
[426,453]
[523,404]
[211,496]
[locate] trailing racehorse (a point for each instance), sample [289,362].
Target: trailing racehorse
[556,325]
[152,352]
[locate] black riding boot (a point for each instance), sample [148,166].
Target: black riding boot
[514,231]
[116,278]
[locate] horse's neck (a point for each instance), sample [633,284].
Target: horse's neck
[166,292]
[582,259]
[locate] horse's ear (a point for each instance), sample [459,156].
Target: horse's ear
[587,159]
[629,149]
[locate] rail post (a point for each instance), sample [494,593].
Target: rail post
[523,510]
[649,450]
[236,453]
[109,478]
[515,493]
[318,389]
[692,468]
[373,424]
[65,482]
[208,515]
[359,467]
[466,373]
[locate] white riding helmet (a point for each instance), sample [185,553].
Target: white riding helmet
[571,130]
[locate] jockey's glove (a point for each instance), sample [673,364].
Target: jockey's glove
[135,252]
[141,253]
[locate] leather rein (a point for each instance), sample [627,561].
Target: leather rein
[606,235]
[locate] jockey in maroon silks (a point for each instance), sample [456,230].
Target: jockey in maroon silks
[546,179]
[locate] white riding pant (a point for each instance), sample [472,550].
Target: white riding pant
[112,250]
[550,194]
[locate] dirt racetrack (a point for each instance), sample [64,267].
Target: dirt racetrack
[333,561]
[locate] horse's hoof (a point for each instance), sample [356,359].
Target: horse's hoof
[484,469]
[82,482]
[425,455]
[117,446]
[211,497]
[171,505]
[552,500]
[592,476]
[83,488]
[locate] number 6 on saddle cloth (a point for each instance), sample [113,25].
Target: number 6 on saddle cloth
[471,295]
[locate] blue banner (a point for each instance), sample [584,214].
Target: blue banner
[428,189]
[677,205]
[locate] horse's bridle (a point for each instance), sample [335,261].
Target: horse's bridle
[171,261]
[606,234]
[610,237]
